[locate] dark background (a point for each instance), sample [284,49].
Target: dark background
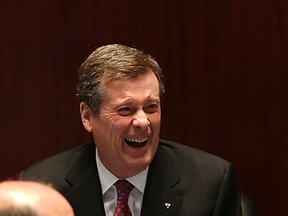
[226,69]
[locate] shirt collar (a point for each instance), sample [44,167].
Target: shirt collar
[107,179]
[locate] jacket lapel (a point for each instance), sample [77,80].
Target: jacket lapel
[85,194]
[162,195]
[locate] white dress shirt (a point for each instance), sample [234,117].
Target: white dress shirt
[109,192]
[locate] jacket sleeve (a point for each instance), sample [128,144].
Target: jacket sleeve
[229,199]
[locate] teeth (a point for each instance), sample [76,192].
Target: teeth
[138,140]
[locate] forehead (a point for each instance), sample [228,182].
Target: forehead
[143,84]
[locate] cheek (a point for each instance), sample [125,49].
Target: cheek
[102,128]
[115,128]
[155,120]
[122,122]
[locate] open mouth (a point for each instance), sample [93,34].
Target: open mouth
[136,143]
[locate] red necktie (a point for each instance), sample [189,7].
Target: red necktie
[123,190]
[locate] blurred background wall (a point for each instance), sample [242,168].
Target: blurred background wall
[225,64]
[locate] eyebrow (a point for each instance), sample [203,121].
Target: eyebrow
[149,99]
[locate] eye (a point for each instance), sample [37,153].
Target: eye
[125,111]
[151,108]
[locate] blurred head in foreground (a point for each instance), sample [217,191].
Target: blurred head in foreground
[27,198]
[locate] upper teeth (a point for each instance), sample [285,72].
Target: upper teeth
[138,140]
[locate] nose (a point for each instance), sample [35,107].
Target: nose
[141,120]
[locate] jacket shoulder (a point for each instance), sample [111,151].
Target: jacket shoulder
[55,168]
[186,156]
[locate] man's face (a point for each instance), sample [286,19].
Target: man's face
[126,131]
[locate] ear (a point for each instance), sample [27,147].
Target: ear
[86,116]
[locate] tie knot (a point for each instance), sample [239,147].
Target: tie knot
[124,188]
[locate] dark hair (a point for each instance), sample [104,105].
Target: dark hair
[109,63]
[18,211]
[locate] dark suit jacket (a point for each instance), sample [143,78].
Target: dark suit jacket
[195,183]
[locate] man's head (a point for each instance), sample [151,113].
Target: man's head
[112,62]
[119,91]
[26,198]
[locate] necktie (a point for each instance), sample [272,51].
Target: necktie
[123,190]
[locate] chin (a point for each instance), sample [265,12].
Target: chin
[140,164]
